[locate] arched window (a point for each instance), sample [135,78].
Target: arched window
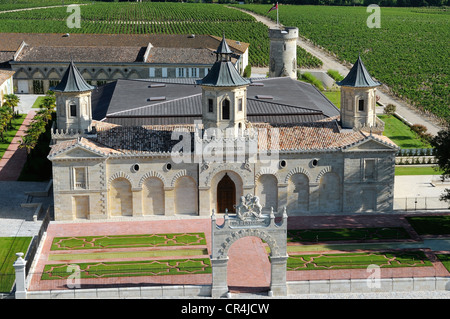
[226,110]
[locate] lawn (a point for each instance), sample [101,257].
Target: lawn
[128,241]
[416,170]
[401,134]
[129,254]
[430,225]
[357,260]
[38,102]
[323,235]
[9,246]
[8,136]
[131,268]
[334,97]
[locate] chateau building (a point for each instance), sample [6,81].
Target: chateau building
[40,60]
[194,146]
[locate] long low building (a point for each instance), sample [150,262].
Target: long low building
[39,60]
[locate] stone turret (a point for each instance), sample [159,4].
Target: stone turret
[73,102]
[224,94]
[358,98]
[283,52]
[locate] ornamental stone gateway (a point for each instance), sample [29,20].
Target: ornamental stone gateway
[249,221]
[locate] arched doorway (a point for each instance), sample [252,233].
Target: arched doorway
[226,195]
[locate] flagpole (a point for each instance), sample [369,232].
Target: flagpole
[278,24]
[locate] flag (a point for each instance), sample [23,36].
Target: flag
[275,7]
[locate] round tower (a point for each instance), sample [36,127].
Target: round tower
[283,52]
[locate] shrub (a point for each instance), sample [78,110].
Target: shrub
[390,109]
[308,77]
[335,75]
[419,129]
[247,71]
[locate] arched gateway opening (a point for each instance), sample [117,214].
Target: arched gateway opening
[249,221]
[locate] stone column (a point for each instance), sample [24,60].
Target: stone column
[219,277]
[169,201]
[21,285]
[314,197]
[278,285]
[282,195]
[137,202]
[204,208]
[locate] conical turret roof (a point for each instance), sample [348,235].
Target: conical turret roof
[223,72]
[223,47]
[73,81]
[358,76]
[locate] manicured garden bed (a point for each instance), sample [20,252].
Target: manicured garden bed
[345,234]
[430,225]
[357,260]
[130,268]
[128,241]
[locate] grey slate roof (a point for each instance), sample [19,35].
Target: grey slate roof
[223,74]
[73,81]
[125,102]
[358,76]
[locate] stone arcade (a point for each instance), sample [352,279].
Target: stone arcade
[112,151]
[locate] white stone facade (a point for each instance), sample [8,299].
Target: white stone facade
[92,185]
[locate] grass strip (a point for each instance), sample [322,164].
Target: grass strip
[417,170]
[9,246]
[129,254]
[8,136]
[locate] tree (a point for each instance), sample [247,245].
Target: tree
[390,109]
[12,101]
[441,144]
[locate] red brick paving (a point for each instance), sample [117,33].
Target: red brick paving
[14,158]
[248,264]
